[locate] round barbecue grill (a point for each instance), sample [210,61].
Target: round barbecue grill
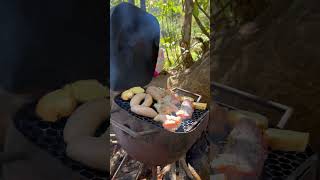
[148,142]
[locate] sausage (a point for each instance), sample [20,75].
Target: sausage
[86,119]
[156,93]
[91,151]
[144,111]
[147,100]
[136,100]
[79,134]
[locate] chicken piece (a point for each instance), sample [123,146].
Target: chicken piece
[186,110]
[171,124]
[244,154]
[162,118]
[168,105]
[172,98]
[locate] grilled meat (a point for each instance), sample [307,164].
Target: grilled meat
[244,153]
[186,110]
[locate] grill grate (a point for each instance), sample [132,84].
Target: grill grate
[49,136]
[186,125]
[279,165]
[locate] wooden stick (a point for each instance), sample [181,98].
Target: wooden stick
[191,173]
[173,175]
[182,173]
[186,168]
[154,173]
[164,171]
[194,173]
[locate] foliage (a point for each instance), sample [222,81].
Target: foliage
[170,15]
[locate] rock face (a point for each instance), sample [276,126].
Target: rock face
[280,62]
[196,79]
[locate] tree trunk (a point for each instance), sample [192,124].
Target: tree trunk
[186,34]
[143,5]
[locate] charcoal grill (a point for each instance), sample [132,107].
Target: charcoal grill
[49,137]
[279,165]
[148,142]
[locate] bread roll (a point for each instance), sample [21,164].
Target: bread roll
[126,95]
[87,90]
[137,90]
[235,116]
[55,105]
[286,140]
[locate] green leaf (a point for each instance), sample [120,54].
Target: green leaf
[205,5]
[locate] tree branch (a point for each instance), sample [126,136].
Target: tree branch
[201,9]
[203,29]
[221,10]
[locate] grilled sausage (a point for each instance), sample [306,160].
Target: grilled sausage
[79,134]
[156,93]
[144,111]
[136,100]
[91,151]
[147,100]
[86,119]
